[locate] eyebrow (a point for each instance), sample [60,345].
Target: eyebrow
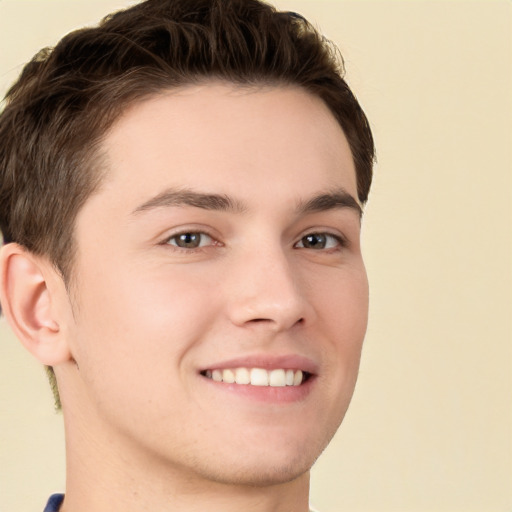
[332,200]
[188,197]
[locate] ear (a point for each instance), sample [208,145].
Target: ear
[28,285]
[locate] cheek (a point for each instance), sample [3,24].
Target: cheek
[343,305]
[343,314]
[142,327]
[133,300]
[341,320]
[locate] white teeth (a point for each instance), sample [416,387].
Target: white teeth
[228,376]
[277,378]
[257,376]
[242,376]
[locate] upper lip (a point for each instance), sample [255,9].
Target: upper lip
[268,362]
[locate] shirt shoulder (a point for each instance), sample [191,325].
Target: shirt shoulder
[54,503]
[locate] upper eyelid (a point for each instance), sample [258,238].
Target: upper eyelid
[174,232]
[324,231]
[175,248]
[187,231]
[213,240]
[190,232]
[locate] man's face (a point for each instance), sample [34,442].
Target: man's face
[223,244]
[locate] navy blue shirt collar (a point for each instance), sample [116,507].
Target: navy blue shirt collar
[54,503]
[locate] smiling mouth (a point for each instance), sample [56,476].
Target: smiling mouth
[258,376]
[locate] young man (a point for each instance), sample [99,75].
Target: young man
[181,198]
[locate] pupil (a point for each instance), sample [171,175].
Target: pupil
[188,240]
[314,241]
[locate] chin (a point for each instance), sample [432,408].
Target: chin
[272,464]
[263,474]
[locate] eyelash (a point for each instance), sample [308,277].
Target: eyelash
[201,234]
[339,241]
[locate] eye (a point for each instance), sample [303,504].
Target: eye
[190,240]
[320,241]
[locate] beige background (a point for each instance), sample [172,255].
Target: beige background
[430,427]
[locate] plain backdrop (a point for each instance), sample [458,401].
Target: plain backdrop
[430,425]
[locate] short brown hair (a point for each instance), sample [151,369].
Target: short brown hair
[66,99]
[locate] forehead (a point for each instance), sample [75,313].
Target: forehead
[229,137]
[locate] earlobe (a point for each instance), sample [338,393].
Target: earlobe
[27,303]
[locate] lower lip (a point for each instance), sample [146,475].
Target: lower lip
[268,394]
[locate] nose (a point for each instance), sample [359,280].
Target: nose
[267,292]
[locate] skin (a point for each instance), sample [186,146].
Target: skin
[145,430]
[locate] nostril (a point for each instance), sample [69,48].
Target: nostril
[270,321]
